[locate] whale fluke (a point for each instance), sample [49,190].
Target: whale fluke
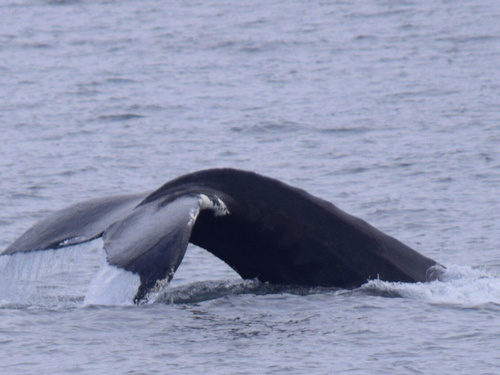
[259,226]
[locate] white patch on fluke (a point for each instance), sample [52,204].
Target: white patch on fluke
[71,241]
[214,204]
[193,214]
[205,203]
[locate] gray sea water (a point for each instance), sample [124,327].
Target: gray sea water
[389,109]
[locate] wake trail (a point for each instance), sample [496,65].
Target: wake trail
[459,285]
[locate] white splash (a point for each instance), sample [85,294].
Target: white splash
[64,278]
[49,277]
[459,285]
[112,286]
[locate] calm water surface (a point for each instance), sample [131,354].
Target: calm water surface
[388,109]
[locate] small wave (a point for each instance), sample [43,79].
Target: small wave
[459,285]
[268,127]
[345,130]
[63,2]
[368,38]
[209,290]
[120,80]
[468,38]
[36,45]
[121,117]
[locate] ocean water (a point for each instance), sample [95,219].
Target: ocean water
[389,109]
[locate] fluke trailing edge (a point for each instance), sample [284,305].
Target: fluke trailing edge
[259,226]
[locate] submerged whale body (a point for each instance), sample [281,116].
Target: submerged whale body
[259,226]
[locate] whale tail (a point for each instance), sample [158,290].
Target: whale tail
[259,226]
